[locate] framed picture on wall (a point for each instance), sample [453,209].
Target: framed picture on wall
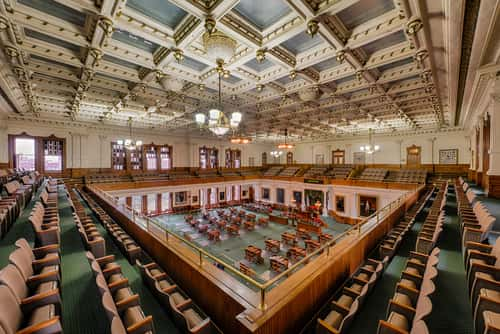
[448,156]
[181,197]
[266,193]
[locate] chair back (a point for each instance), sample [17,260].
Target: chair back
[11,316]
[19,259]
[12,278]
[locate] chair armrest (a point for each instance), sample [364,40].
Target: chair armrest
[407,311]
[143,326]
[42,251]
[391,328]
[111,271]
[488,258]
[327,326]
[37,264]
[127,303]
[117,285]
[35,280]
[185,304]
[39,327]
[105,260]
[41,299]
[478,246]
[410,292]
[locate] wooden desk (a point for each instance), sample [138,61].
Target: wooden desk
[254,254]
[214,235]
[236,220]
[221,224]
[288,238]
[262,221]
[278,263]
[233,229]
[251,217]
[246,270]
[278,219]
[296,253]
[272,245]
[324,237]
[249,225]
[309,227]
[312,245]
[301,233]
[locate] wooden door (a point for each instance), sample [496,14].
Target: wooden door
[338,157]
[289,158]
[413,156]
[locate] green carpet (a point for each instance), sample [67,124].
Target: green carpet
[452,312]
[162,321]
[82,310]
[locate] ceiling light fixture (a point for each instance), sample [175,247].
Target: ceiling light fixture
[370,148]
[240,140]
[260,55]
[129,143]
[276,154]
[178,55]
[293,74]
[286,145]
[218,123]
[312,27]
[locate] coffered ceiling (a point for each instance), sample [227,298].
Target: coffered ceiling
[371,63]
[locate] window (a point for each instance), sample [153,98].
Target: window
[137,203]
[233,158]
[151,158]
[289,158]
[340,203]
[52,155]
[280,195]
[209,157]
[320,159]
[151,200]
[25,153]
[136,159]
[118,156]
[251,161]
[165,157]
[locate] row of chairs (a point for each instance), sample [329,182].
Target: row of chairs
[289,171]
[476,220]
[273,171]
[121,305]
[186,314]
[373,174]
[394,238]
[481,260]
[348,301]
[90,235]
[411,302]
[126,244]
[351,297]
[433,224]
[44,217]
[316,171]
[10,209]
[30,299]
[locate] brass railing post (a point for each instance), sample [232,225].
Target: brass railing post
[262,305]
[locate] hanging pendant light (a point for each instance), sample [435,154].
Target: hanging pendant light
[370,148]
[218,123]
[129,143]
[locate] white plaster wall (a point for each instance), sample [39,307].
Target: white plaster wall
[91,148]
[393,149]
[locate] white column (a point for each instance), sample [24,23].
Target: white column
[256,192]
[473,162]
[480,156]
[494,111]
[4,154]
[325,209]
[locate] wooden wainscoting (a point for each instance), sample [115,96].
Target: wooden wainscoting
[494,186]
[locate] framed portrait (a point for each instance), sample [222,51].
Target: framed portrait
[448,156]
